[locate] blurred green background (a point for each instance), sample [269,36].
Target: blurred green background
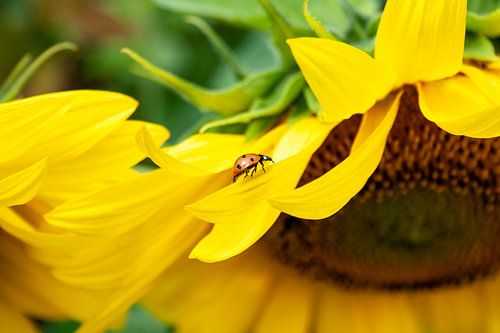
[101,29]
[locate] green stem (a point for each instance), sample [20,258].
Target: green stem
[21,80]
[219,45]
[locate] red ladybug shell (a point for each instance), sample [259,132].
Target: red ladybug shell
[248,161]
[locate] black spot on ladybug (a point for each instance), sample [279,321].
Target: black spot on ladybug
[238,166]
[244,156]
[252,159]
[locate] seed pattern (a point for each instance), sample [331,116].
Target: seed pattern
[460,175]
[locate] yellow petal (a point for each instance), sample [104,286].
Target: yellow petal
[227,240]
[239,211]
[487,81]
[90,117]
[292,154]
[115,153]
[345,80]
[31,287]
[422,40]
[145,275]
[297,297]
[234,302]
[25,122]
[463,105]
[23,230]
[163,159]
[365,312]
[118,207]
[201,154]
[460,309]
[22,186]
[326,195]
[12,321]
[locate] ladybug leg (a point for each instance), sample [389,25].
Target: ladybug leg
[254,168]
[262,165]
[246,173]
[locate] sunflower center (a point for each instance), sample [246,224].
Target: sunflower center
[428,216]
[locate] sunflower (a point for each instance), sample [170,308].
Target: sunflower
[48,145]
[405,205]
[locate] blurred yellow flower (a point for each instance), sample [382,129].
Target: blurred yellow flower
[55,147]
[146,229]
[255,293]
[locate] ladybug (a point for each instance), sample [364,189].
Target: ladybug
[248,162]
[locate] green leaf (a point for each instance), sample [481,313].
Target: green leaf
[483,7]
[479,47]
[66,326]
[483,16]
[333,15]
[139,320]
[259,126]
[319,28]
[366,8]
[245,13]
[224,101]
[278,101]
[281,32]
[311,101]
[298,111]
[222,49]
[248,12]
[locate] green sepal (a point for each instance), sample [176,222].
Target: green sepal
[224,101]
[319,29]
[23,71]
[298,111]
[220,47]
[478,47]
[483,16]
[260,126]
[281,32]
[285,93]
[311,101]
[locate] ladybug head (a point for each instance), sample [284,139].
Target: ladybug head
[266,158]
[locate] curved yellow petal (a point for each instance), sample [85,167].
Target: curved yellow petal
[326,195]
[25,122]
[20,187]
[217,152]
[345,80]
[227,240]
[163,159]
[31,287]
[487,81]
[463,105]
[422,40]
[12,321]
[292,154]
[116,153]
[234,303]
[119,207]
[91,115]
[145,275]
[20,228]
